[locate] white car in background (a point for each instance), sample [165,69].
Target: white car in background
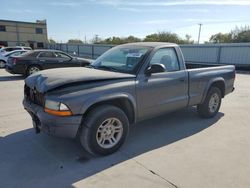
[13,48]
[4,56]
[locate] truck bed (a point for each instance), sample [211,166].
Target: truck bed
[190,65]
[201,75]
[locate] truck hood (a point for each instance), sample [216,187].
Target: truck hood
[46,80]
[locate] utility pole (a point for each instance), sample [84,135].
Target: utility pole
[96,38]
[200,24]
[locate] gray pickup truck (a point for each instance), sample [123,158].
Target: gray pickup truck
[127,84]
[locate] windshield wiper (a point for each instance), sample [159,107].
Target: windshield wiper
[105,67]
[90,66]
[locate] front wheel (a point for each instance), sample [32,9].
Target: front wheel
[211,105]
[104,130]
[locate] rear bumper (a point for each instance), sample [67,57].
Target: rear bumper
[9,69]
[15,69]
[53,125]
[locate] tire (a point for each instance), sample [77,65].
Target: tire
[96,129]
[2,64]
[32,69]
[211,105]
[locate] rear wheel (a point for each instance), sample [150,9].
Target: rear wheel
[211,105]
[104,130]
[2,64]
[32,69]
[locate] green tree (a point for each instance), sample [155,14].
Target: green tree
[164,36]
[75,41]
[118,40]
[221,38]
[187,40]
[52,41]
[152,38]
[241,34]
[132,39]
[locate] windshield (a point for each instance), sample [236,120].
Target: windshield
[122,59]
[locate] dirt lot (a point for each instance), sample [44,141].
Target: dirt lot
[175,150]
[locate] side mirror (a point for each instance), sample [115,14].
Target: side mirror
[155,68]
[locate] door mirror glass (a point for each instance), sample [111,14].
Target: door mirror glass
[155,68]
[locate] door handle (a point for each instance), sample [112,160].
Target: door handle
[181,79]
[42,60]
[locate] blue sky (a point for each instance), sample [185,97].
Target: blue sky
[76,18]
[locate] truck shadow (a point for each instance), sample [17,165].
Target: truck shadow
[11,78]
[27,159]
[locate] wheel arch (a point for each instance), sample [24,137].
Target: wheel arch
[122,101]
[30,65]
[3,60]
[217,82]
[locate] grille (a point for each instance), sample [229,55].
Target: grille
[34,96]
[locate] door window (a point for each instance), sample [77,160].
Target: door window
[47,54]
[167,57]
[3,43]
[39,30]
[40,45]
[62,56]
[2,28]
[9,49]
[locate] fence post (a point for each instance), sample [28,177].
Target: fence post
[218,55]
[92,51]
[78,52]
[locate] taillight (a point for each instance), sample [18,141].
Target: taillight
[14,61]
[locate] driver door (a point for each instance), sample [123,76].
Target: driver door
[47,60]
[66,61]
[162,92]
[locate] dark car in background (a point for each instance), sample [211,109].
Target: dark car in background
[36,60]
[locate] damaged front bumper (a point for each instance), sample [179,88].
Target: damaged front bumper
[53,125]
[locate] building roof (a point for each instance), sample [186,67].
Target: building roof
[40,22]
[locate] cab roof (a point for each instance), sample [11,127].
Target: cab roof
[150,44]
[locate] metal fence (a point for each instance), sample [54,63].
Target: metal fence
[91,51]
[235,54]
